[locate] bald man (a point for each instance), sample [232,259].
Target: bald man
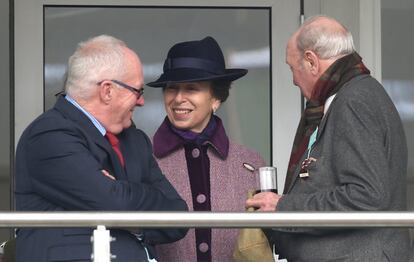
[349,152]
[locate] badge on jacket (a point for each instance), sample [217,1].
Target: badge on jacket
[304,168]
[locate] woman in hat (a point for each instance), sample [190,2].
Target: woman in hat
[191,146]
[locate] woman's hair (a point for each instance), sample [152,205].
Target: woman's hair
[326,41]
[97,59]
[220,89]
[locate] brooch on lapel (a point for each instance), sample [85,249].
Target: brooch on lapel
[249,167]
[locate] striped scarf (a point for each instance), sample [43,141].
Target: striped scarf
[330,82]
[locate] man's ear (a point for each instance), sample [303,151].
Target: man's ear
[312,60]
[106,91]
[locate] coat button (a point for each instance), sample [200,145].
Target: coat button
[195,153]
[201,198]
[203,247]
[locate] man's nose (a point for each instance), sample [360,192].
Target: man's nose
[140,101]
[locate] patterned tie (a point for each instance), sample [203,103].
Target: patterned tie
[113,140]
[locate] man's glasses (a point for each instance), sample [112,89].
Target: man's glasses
[136,91]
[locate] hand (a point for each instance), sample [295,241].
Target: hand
[265,201]
[106,173]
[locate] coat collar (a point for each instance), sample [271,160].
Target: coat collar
[69,111]
[166,141]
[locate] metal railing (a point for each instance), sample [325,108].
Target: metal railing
[103,220]
[207,219]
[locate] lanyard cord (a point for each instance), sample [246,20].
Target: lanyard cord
[312,141]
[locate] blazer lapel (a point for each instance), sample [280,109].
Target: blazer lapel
[321,129]
[74,114]
[131,157]
[296,174]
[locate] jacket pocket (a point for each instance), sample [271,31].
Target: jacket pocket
[80,252]
[77,231]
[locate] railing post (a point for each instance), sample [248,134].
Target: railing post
[101,239]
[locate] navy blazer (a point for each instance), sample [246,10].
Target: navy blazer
[59,163]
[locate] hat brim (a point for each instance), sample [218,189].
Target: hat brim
[193,75]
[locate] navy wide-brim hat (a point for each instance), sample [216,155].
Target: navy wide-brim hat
[195,61]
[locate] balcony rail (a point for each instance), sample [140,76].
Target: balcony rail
[102,220]
[207,219]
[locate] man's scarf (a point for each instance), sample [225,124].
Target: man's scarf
[330,82]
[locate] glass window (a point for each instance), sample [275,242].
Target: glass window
[397,72]
[243,34]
